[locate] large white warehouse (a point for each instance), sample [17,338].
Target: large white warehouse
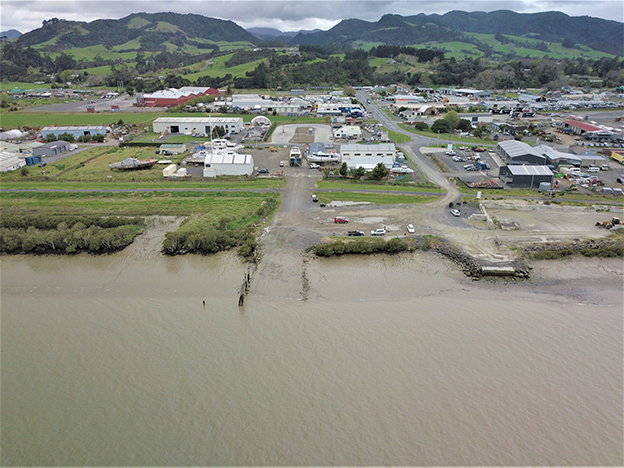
[190,125]
[222,163]
[382,149]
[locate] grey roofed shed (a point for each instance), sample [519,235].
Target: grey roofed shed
[525,176]
[517,152]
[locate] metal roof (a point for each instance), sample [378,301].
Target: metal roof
[381,147]
[515,148]
[530,170]
[582,125]
[227,158]
[74,128]
[204,120]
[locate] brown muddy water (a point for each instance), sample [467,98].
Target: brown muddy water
[110,361]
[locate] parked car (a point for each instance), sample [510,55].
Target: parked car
[314,166]
[340,220]
[356,233]
[263,170]
[281,163]
[455,212]
[410,229]
[378,232]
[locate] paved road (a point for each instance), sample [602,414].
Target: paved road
[412,150]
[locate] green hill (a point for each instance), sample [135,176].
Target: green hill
[148,31]
[581,33]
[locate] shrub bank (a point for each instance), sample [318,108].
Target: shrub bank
[364,246]
[197,237]
[64,240]
[470,266]
[606,247]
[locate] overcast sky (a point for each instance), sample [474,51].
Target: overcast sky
[284,15]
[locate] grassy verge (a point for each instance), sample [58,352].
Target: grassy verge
[374,198]
[217,204]
[397,137]
[90,169]
[224,184]
[447,136]
[382,186]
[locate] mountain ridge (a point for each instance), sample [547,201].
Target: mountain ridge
[159,31]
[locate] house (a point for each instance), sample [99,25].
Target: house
[525,176]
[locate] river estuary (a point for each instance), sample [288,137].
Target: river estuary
[382,360]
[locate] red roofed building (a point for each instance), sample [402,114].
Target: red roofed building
[174,97]
[579,128]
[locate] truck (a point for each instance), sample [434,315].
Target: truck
[482,166]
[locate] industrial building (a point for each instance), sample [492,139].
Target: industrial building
[579,128]
[517,152]
[405,99]
[380,150]
[576,158]
[75,131]
[351,132]
[226,163]
[174,97]
[24,148]
[172,148]
[11,135]
[368,156]
[52,149]
[525,176]
[190,125]
[368,162]
[10,161]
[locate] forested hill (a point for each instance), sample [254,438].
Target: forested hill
[599,34]
[151,30]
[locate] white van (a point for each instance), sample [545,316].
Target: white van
[593,169]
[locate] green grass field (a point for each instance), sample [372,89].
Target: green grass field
[215,204]
[219,69]
[9,85]
[25,119]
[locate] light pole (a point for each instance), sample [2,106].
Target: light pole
[438,144]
